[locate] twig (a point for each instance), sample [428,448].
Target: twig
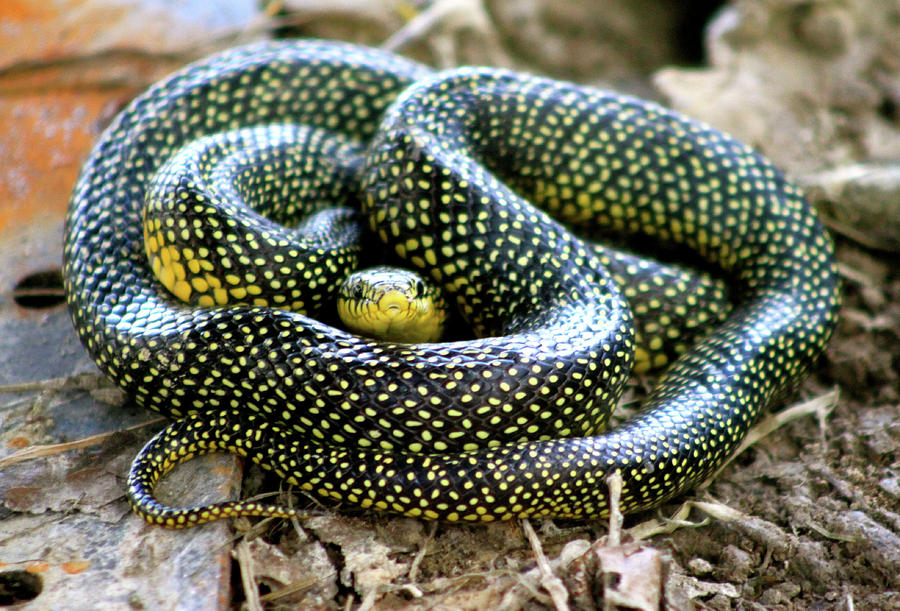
[426,21]
[300,585]
[441,16]
[614,538]
[368,600]
[414,566]
[766,533]
[821,406]
[248,580]
[551,582]
[79,381]
[614,485]
[663,525]
[32,452]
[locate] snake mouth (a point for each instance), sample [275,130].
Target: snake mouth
[395,315]
[393,304]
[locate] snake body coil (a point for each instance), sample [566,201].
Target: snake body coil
[445,167]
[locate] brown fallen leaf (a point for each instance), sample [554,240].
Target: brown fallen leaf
[630,575]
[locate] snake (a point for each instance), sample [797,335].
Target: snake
[496,186]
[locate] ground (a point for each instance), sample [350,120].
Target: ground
[808,516]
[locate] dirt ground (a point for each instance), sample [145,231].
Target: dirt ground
[808,516]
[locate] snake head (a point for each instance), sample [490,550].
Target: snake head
[392,304]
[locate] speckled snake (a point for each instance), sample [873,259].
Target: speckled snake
[473,176]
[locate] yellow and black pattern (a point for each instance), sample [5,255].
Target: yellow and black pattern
[507,425]
[216,218]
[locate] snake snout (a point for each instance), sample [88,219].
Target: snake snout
[394,303]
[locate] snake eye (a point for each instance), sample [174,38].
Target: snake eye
[358,292]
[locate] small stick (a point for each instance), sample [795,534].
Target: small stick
[248,581]
[614,538]
[551,582]
[32,452]
[300,585]
[414,566]
[821,406]
[614,484]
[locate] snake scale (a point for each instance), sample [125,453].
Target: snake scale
[474,177]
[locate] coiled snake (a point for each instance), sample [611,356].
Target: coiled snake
[445,167]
